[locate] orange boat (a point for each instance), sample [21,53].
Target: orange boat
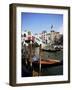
[49,62]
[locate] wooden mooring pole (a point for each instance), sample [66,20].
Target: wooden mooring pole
[40,60]
[30,53]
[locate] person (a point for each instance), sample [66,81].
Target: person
[35,58]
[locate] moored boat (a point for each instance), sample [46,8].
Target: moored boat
[49,62]
[51,50]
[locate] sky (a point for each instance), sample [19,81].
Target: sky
[38,22]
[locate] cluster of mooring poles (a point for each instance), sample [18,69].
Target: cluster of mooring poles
[30,48]
[30,58]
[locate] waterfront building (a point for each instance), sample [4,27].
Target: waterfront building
[48,38]
[41,38]
[44,37]
[54,36]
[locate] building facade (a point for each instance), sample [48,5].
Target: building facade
[45,37]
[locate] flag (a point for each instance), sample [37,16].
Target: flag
[51,26]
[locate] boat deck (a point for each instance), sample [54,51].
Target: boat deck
[48,62]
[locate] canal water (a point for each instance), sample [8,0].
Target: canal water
[54,70]
[47,71]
